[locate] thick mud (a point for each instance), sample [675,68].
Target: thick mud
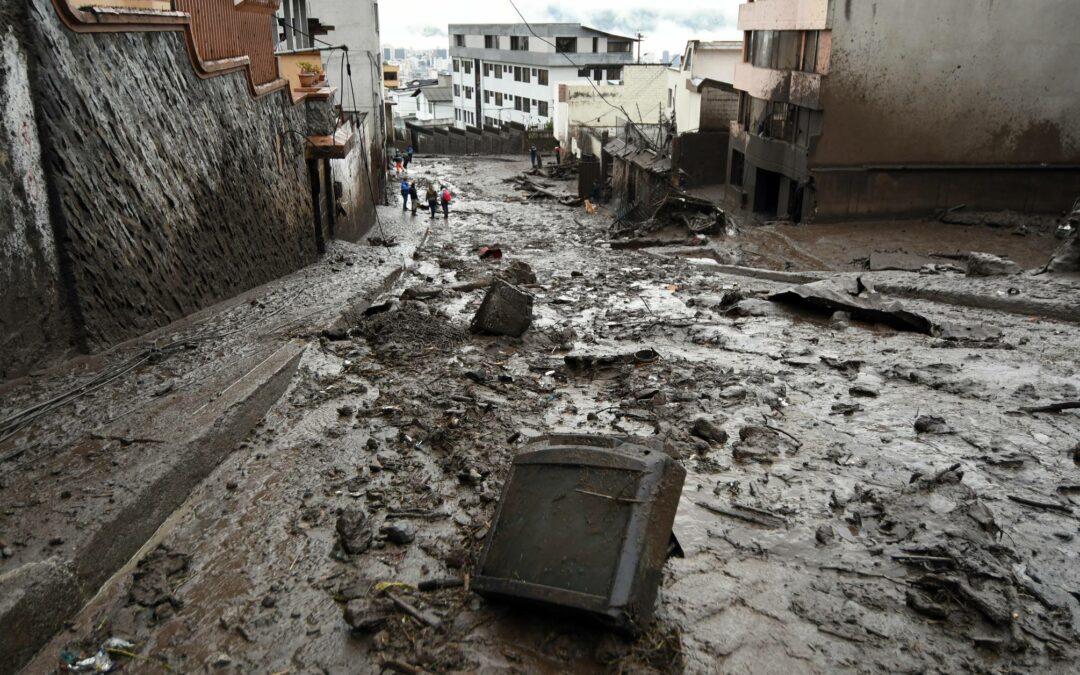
[831,526]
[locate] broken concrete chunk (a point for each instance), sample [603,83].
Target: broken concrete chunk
[825,535]
[505,311]
[399,533]
[857,297]
[708,430]
[987,265]
[519,273]
[367,616]
[757,444]
[867,386]
[929,424]
[353,532]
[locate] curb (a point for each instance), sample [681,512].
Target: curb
[37,598]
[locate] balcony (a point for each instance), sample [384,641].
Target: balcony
[763,83]
[805,90]
[784,15]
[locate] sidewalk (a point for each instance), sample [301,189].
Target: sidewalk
[130,432]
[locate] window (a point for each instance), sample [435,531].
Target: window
[775,49]
[487,70]
[491,42]
[517,73]
[517,104]
[459,40]
[457,90]
[614,73]
[468,92]
[595,45]
[525,107]
[542,77]
[487,97]
[468,67]
[618,46]
[525,75]
[457,66]
[565,45]
[498,98]
[519,43]
[457,114]
[583,72]
[781,123]
[738,164]
[542,108]
[598,74]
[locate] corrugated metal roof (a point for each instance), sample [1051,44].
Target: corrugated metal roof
[646,159]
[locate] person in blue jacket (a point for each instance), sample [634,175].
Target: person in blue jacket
[408,157]
[405,195]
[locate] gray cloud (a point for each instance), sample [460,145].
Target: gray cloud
[633,19]
[433,31]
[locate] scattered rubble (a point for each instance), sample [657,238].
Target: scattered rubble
[987,265]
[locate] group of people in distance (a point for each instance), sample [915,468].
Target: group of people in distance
[410,191]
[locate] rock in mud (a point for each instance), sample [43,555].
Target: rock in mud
[505,311]
[929,424]
[757,444]
[353,531]
[825,535]
[518,273]
[987,265]
[399,533]
[367,616]
[708,430]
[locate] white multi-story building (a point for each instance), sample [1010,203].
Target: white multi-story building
[507,73]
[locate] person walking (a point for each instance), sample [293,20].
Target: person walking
[397,161]
[558,155]
[414,195]
[532,155]
[432,200]
[408,157]
[446,197]
[405,195]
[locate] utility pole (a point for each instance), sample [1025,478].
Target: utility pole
[640,37]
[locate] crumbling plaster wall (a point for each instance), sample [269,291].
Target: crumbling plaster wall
[32,316]
[172,192]
[957,82]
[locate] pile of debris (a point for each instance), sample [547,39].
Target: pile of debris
[539,190]
[693,215]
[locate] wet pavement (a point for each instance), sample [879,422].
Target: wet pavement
[838,528]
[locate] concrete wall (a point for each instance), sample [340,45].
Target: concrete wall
[33,319]
[958,82]
[166,192]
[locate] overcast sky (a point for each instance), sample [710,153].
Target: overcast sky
[423,24]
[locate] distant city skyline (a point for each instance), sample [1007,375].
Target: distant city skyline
[663,29]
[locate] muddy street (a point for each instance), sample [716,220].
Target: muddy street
[857,497]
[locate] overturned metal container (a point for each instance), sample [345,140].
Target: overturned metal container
[584,522]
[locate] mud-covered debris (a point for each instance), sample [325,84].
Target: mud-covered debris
[504,311]
[353,531]
[846,409]
[346,411]
[866,386]
[857,297]
[399,533]
[490,253]
[988,265]
[931,424]
[825,535]
[758,444]
[922,604]
[518,272]
[961,591]
[707,429]
[156,575]
[367,615]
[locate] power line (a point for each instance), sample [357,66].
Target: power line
[587,78]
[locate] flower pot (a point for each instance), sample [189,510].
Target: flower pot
[307,79]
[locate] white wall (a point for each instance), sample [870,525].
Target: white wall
[642,94]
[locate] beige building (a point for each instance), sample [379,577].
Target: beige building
[640,97]
[853,109]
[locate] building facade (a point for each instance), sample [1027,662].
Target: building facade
[504,73]
[640,97]
[853,110]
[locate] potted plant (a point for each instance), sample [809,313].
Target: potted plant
[309,73]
